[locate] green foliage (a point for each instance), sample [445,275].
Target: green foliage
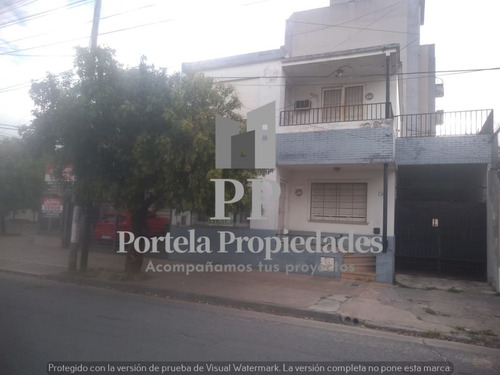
[21,176]
[135,136]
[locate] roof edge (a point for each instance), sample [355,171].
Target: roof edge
[235,60]
[350,52]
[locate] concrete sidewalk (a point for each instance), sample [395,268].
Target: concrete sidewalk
[430,307]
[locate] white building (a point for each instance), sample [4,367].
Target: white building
[357,131]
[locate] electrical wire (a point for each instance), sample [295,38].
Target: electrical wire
[84,23]
[44,13]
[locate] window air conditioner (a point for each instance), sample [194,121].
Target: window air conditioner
[303,104]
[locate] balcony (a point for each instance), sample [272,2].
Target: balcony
[360,112]
[441,124]
[461,137]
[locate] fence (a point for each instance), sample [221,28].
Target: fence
[360,112]
[444,123]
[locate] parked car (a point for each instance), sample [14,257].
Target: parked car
[105,228]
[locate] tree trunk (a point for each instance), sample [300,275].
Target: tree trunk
[134,259]
[3,226]
[87,226]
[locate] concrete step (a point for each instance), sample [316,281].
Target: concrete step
[364,267]
[360,276]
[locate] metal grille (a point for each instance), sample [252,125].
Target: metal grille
[445,238]
[372,111]
[339,202]
[444,123]
[353,99]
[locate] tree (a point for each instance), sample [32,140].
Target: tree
[21,177]
[135,136]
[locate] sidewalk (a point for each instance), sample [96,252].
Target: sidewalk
[429,307]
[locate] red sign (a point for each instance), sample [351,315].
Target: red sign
[51,176]
[52,207]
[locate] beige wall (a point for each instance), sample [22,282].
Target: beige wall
[297,216]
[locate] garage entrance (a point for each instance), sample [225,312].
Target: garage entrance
[441,220]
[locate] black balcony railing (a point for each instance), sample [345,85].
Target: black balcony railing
[360,112]
[445,123]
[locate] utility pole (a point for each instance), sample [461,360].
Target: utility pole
[84,256]
[95,25]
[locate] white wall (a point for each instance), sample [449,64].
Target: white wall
[270,206]
[362,23]
[298,210]
[427,82]
[267,86]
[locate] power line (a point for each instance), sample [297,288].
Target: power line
[362,75]
[231,79]
[6,127]
[44,13]
[85,37]
[355,27]
[345,22]
[44,45]
[112,31]
[20,5]
[363,29]
[84,23]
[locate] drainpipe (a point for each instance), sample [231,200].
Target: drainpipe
[384,209]
[387,86]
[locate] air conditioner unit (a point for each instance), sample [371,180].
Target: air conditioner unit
[302,105]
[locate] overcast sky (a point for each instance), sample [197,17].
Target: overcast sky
[37,36]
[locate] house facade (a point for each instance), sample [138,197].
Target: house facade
[362,153]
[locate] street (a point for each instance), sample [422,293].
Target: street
[44,321]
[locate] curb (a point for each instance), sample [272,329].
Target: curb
[243,305]
[190,297]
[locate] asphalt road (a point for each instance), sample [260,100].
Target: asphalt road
[43,321]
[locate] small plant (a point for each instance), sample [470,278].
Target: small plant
[401,285]
[454,290]
[430,311]
[485,332]
[432,334]
[475,333]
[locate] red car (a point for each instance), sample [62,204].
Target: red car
[105,228]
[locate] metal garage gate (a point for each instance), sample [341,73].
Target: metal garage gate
[442,238]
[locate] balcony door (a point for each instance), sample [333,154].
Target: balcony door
[343,104]
[332,102]
[353,103]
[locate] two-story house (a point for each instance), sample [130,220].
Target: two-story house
[361,151]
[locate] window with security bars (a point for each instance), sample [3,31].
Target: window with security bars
[339,202]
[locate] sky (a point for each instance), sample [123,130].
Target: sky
[39,36]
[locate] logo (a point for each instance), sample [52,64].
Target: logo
[254,149]
[257,200]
